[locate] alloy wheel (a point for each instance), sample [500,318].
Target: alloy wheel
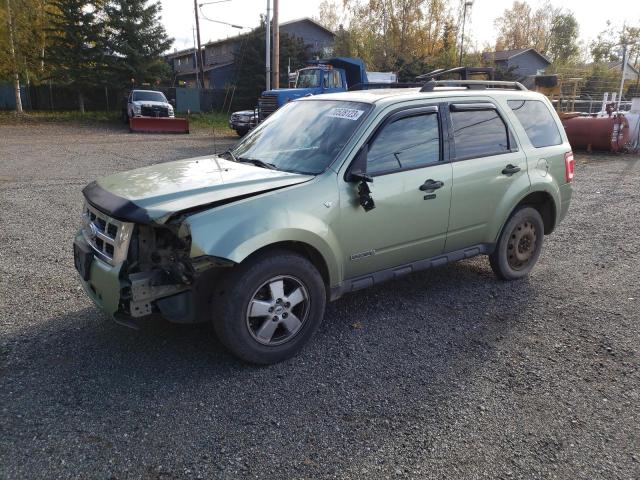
[277,311]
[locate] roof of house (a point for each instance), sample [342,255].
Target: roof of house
[308,20]
[509,54]
[189,51]
[618,65]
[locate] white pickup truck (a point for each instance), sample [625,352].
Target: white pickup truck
[147,103]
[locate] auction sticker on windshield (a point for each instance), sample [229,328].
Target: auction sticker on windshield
[347,113]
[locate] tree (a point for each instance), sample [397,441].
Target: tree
[22,42]
[249,76]
[73,53]
[135,41]
[608,45]
[405,36]
[330,15]
[13,58]
[602,48]
[563,45]
[521,27]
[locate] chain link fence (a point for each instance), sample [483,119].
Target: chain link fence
[587,89]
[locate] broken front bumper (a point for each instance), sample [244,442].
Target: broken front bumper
[100,280]
[124,296]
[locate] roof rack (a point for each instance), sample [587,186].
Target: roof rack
[464,72]
[472,84]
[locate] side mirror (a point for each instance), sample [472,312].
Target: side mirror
[357,174]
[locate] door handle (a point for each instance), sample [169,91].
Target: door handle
[510,170]
[431,185]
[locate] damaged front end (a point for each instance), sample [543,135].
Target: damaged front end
[134,270]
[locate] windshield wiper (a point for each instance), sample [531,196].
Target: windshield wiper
[230,153]
[258,163]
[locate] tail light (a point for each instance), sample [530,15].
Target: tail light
[569,163]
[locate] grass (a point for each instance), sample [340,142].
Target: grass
[48,116]
[211,120]
[197,121]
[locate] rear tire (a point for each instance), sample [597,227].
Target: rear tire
[519,245]
[267,308]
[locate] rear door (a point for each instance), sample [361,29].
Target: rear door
[488,170]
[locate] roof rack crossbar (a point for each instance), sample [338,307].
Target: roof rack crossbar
[472,84]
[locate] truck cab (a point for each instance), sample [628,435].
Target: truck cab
[323,76]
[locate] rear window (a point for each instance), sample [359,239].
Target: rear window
[537,121]
[479,133]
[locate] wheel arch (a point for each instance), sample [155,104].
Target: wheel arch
[545,204]
[301,248]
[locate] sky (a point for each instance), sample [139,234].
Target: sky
[178,17]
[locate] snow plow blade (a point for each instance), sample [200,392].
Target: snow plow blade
[158,125]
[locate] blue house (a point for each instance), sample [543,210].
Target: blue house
[219,56]
[522,61]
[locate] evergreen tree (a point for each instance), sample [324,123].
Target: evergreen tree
[249,76]
[135,41]
[73,53]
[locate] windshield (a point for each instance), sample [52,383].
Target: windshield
[303,136]
[309,78]
[148,97]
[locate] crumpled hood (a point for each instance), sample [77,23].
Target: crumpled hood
[156,192]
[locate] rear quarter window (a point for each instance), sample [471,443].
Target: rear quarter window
[537,121]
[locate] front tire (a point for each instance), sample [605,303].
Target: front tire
[125,116]
[519,245]
[267,309]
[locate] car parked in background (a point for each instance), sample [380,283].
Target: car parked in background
[243,121]
[329,195]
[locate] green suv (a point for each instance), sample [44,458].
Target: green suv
[329,195]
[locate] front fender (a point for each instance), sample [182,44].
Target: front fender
[236,231]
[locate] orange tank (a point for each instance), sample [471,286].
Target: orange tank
[609,134]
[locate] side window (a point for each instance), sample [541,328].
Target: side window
[408,142]
[479,133]
[331,79]
[337,80]
[537,121]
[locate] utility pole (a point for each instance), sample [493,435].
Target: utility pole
[624,72]
[267,60]
[195,56]
[275,76]
[200,61]
[12,50]
[468,3]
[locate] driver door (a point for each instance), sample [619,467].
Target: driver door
[411,189]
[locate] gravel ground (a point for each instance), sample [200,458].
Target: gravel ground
[445,374]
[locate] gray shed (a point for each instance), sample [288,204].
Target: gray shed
[524,61]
